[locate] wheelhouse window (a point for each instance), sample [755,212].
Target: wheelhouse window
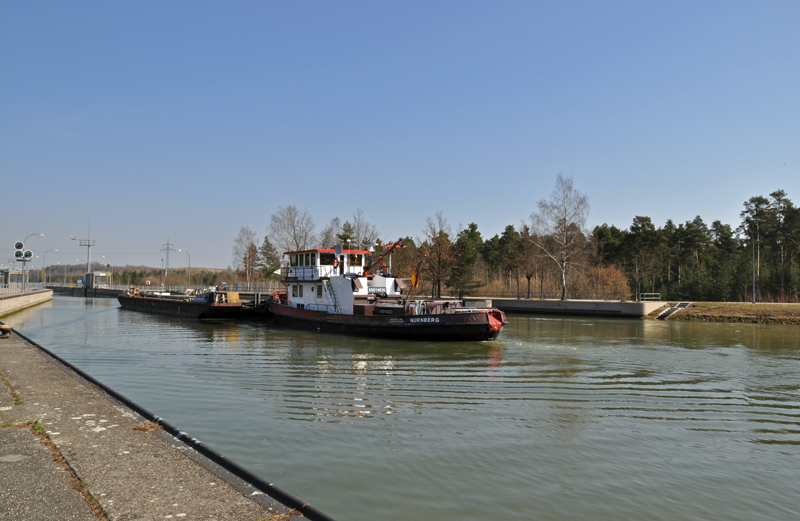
[355,260]
[293,260]
[326,259]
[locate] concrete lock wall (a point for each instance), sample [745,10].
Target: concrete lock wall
[13,303]
[569,307]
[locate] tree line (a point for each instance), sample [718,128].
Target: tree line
[552,254]
[695,261]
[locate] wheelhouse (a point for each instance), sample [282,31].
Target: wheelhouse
[315,265]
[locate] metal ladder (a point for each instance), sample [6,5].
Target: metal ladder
[332,293]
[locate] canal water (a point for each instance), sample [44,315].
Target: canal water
[559,419]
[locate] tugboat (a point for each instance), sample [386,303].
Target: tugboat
[336,290]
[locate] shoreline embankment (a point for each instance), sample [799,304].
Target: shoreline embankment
[740,312]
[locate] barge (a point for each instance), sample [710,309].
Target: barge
[216,304]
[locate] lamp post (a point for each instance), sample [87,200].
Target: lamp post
[190,268]
[44,264]
[23,262]
[753,243]
[111,280]
[88,243]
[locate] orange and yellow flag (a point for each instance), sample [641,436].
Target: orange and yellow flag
[415,275]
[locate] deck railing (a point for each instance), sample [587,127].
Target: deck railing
[650,297]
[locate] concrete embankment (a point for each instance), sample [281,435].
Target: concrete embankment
[569,307]
[107,455]
[13,303]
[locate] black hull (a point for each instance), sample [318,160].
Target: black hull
[184,309]
[445,327]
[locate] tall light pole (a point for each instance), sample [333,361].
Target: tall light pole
[23,261]
[88,243]
[190,268]
[110,282]
[753,242]
[44,260]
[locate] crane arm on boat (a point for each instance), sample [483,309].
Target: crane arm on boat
[399,244]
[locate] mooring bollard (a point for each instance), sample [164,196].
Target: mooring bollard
[5,331]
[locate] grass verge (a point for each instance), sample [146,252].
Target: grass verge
[17,399]
[742,312]
[76,483]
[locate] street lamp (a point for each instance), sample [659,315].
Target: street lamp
[111,281]
[190,268]
[44,260]
[753,243]
[23,262]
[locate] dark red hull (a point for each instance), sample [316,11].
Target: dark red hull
[483,324]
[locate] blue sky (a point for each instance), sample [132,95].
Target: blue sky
[187,120]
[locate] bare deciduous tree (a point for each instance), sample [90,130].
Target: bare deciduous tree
[292,230]
[241,243]
[439,251]
[327,237]
[245,253]
[558,226]
[364,233]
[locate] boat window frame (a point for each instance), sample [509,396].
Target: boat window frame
[294,289]
[319,290]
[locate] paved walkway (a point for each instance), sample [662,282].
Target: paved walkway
[132,474]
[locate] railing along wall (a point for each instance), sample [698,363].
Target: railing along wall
[16,288]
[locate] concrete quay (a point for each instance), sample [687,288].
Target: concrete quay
[68,450]
[17,302]
[604,308]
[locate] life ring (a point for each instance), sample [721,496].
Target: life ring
[136,291]
[336,263]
